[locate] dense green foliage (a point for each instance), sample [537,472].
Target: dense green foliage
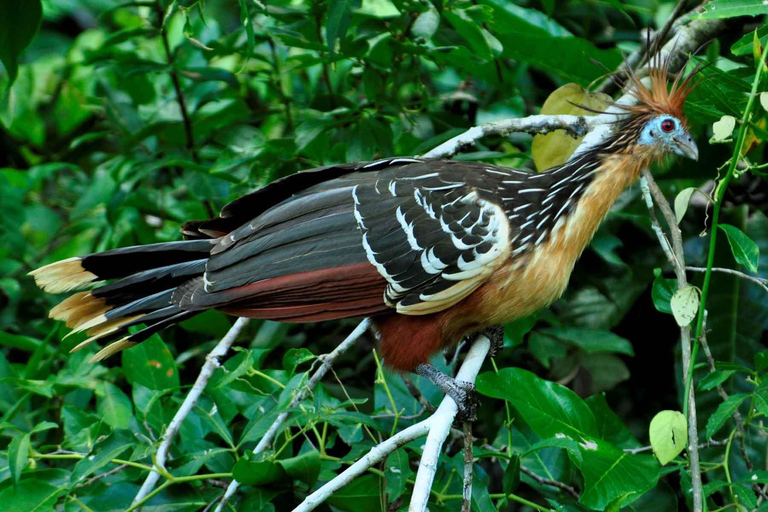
[119,121]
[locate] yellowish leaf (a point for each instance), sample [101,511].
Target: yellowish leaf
[722,129]
[555,148]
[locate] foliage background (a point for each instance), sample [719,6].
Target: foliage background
[127,119]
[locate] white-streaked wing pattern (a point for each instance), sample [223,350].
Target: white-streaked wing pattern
[435,240]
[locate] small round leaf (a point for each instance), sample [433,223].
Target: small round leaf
[669,435]
[722,129]
[685,305]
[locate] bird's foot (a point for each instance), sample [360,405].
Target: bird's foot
[463,393]
[495,333]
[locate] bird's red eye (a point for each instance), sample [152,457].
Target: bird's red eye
[667,125]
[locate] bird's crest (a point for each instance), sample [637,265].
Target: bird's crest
[660,97]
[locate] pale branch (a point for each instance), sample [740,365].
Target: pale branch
[441,426]
[576,126]
[436,428]
[327,361]
[685,332]
[552,483]
[211,364]
[469,465]
[763,283]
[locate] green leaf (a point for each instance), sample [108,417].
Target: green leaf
[610,473]
[685,305]
[761,360]
[426,24]
[339,15]
[398,470]
[723,412]
[470,32]
[744,249]
[744,45]
[761,397]
[512,475]
[19,22]
[662,292]
[151,364]
[106,450]
[681,202]
[18,451]
[668,433]
[548,408]
[731,8]
[305,467]
[515,331]
[591,340]
[361,494]
[31,495]
[294,357]
[714,379]
[529,36]
[113,405]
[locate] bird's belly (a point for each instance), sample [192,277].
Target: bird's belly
[523,287]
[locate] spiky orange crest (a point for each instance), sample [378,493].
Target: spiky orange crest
[660,98]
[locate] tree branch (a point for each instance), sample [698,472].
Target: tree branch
[469,465]
[576,126]
[211,363]
[678,262]
[436,428]
[327,362]
[763,283]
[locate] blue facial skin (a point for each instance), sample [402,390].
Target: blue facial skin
[667,132]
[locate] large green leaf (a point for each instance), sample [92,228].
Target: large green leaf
[151,364]
[591,340]
[19,22]
[730,8]
[610,472]
[30,495]
[113,405]
[550,409]
[540,44]
[744,249]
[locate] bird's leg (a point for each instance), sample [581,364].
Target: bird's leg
[495,333]
[463,393]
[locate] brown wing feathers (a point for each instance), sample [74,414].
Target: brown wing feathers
[318,245]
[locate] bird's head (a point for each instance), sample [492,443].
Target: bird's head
[667,134]
[656,122]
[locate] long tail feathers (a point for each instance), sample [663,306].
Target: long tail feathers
[142,294]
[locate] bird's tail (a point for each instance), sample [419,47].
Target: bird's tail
[142,281]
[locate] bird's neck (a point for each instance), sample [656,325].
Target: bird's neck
[567,202]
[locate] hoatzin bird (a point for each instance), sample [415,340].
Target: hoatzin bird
[431,249]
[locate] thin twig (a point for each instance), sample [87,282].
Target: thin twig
[707,444]
[176,85]
[269,436]
[469,464]
[763,283]
[211,363]
[678,258]
[552,483]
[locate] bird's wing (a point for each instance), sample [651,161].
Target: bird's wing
[408,234]
[435,232]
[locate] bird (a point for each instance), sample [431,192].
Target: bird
[431,250]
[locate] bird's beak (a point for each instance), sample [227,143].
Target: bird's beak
[686,146]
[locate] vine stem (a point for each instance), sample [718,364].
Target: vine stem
[718,196]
